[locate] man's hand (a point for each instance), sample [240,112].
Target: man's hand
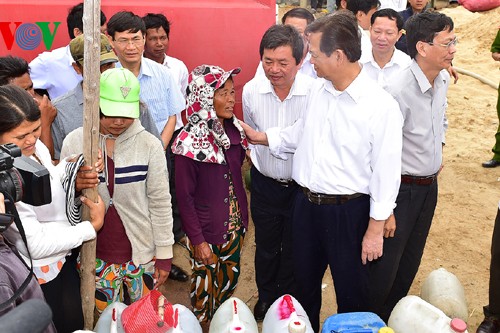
[373,241]
[160,276]
[2,204]
[495,56]
[253,136]
[203,254]
[47,110]
[453,73]
[87,176]
[390,226]
[97,211]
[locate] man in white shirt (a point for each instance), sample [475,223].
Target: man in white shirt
[384,61]
[397,5]
[53,71]
[299,18]
[420,91]
[157,40]
[347,162]
[363,10]
[277,99]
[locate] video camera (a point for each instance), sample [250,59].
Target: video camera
[23,179]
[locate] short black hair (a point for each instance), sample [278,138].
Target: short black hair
[391,14]
[299,13]
[125,21]
[157,21]
[16,106]
[339,32]
[362,5]
[424,27]
[12,67]
[75,19]
[283,35]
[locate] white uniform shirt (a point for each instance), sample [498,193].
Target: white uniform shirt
[424,112]
[262,109]
[180,73]
[307,68]
[366,43]
[397,5]
[53,71]
[382,76]
[347,142]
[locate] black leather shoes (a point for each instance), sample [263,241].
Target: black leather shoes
[491,164]
[260,310]
[177,274]
[489,325]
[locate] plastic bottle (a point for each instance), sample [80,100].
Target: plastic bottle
[414,315]
[443,290]
[286,315]
[353,322]
[233,316]
[110,319]
[184,321]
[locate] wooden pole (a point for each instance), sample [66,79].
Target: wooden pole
[91,75]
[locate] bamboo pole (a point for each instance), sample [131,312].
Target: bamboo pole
[91,75]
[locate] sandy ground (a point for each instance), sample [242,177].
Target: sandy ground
[460,236]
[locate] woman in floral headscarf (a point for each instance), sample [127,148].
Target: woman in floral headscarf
[212,200]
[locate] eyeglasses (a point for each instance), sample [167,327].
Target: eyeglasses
[453,42]
[136,41]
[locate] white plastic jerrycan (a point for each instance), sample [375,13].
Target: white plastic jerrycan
[414,315]
[233,316]
[110,320]
[443,290]
[184,321]
[286,315]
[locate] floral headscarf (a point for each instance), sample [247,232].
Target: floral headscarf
[203,138]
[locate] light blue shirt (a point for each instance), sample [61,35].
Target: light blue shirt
[159,91]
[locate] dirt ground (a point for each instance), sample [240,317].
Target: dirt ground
[460,236]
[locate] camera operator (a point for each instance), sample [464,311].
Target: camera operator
[50,236]
[13,273]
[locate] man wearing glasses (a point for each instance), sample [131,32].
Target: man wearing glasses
[420,91]
[158,88]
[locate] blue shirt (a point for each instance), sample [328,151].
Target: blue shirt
[159,91]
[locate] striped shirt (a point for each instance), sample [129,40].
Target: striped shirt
[263,109]
[159,91]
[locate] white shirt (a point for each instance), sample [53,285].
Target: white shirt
[348,142]
[424,112]
[306,68]
[180,73]
[49,234]
[397,5]
[382,76]
[54,72]
[366,43]
[262,109]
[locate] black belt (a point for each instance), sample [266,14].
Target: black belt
[284,182]
[418,180]
[329,199]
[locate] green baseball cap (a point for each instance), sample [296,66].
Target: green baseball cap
[77,52]
[119,94]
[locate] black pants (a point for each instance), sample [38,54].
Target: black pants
[63,296]
[330,235]
[177,222]
[316,4]
[493,310]
[391,276]
[271,208]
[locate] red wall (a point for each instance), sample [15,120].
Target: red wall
[221,32]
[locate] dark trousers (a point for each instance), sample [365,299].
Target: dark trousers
[177,223]
[330,235]
[496,147]
[63,296]
[271,208]
[316,4]
[493,310]
[391,276]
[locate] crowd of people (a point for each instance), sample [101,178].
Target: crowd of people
[344,127]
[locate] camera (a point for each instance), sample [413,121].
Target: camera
[23,179]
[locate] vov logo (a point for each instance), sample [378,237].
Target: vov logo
[28,36]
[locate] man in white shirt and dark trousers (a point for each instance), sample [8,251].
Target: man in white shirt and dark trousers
[420,91]
[277,99]
[347,162]
[155,48]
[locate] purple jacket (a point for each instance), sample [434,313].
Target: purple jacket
[203,192]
